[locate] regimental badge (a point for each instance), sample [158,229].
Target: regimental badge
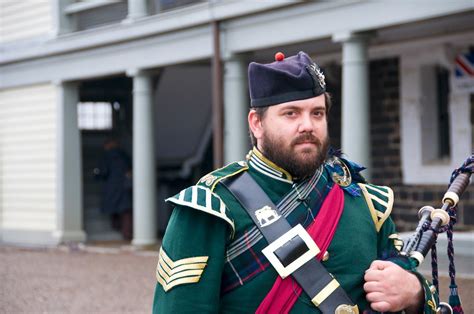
[208,179]
[341,174]
[266,216]
[317,74]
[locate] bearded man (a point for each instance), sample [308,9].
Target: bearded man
[294,228]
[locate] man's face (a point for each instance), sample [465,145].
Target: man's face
[294,135]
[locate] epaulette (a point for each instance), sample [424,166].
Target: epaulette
[202,197]
[380,201]
[211,179]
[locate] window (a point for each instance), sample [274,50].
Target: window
[435,114]
[442,102]
[165,5]
[95,115]
[435,118]
[87,14]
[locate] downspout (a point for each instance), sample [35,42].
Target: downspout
[217,100]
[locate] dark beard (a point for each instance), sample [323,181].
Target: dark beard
[285,158]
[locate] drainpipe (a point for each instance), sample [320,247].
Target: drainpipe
[217,108]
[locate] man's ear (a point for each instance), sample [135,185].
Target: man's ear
[255,124]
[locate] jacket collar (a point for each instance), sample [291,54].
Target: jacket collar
[260,163]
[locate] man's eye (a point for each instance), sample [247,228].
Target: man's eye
[319,113]
[289,113]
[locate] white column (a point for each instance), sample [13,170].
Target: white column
[144,170]
[355,99]
[62,22]
[137,9]
[236,106]
[69,176]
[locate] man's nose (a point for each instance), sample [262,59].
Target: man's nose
[306,124]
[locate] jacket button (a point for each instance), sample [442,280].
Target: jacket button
[325,256]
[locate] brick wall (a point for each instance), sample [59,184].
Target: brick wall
[386,167]
[333,84]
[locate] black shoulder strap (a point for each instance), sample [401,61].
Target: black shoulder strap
[316,281]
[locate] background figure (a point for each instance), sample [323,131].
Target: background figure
[115,169]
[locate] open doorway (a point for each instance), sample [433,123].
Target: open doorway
[105,116]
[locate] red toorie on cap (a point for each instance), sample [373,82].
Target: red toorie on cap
[279,56]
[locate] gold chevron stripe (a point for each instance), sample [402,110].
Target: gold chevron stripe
[186,273]
[189,260]
[176,282]
[178,269]
[171,273]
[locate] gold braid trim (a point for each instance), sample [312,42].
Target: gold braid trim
[377,216]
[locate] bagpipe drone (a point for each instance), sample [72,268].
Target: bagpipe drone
[433,222]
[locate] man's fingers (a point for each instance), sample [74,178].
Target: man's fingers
[372,275]
[389,288]
[375,297]
[376,270]
[372,286]
[378,301]
[379,265]
[380,306]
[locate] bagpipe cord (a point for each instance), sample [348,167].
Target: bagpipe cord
[454,299]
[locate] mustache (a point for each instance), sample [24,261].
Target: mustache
[306,138]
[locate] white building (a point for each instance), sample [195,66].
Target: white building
[157,59]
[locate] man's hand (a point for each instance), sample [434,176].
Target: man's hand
[390,288]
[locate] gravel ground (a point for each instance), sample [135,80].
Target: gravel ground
[97,280]
[75,281]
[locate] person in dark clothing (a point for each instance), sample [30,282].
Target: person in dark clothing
[115,169]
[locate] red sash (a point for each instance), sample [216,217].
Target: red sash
[285,292]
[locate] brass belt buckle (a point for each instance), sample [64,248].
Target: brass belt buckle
[347,309]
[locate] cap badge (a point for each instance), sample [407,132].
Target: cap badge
[316,74]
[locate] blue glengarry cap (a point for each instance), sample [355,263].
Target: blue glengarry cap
[287,79]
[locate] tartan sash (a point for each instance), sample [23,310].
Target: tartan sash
[284,292]
[244,259]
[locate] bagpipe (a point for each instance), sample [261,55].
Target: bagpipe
[433,222]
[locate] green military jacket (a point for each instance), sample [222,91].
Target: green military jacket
[211,260]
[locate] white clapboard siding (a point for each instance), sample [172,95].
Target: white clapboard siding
[28,158]
[22,19]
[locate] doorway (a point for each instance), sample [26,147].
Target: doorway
[104,113]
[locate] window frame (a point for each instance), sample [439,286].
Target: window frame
[414,169]
[94,114]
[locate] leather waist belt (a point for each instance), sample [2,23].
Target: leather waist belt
[291,251]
